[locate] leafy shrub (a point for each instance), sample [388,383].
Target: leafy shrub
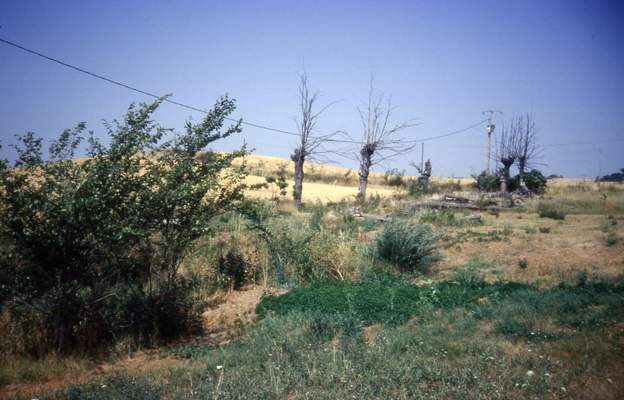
[96,245]
[545,229]
[487,182]
[410,247]
[549,210]
[535,181]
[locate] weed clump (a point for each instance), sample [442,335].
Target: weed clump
[549,210]
[523,263]
[611,238]
[410,247]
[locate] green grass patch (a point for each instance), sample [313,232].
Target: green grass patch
[386,302]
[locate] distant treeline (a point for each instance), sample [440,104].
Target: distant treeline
[614,177]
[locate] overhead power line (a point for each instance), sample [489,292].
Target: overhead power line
[449,134]
[193,108]
[582,143]
[134,89]
[551,144]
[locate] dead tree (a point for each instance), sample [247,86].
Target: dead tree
[526,145]
[380,141]
[507,149]
[309,145]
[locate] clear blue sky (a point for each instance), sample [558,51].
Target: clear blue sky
[443,62]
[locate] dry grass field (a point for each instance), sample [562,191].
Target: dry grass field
[324,182]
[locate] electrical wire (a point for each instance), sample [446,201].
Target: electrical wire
[129,87]
[193,108]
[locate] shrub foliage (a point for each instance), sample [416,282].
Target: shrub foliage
[94,246]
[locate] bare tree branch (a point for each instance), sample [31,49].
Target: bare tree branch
[380,140]
[508,148]
[310,146]
[527,150]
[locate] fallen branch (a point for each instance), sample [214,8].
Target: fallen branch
[448,204]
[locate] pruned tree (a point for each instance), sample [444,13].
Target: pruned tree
[425,174]
[507,149]
[380,141]
[526,145]
[310,146]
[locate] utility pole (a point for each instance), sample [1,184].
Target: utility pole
[490,130]
[422,155]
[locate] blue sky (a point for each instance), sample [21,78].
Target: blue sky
[443,62]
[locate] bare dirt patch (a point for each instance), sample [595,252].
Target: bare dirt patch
[232,310]
[571,246]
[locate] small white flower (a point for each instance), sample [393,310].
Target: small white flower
[103,386]
[530,373]
[219,366]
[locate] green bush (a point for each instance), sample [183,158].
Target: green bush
[549,210]
[487,182]
[95,246]
[535,181]
[410,247]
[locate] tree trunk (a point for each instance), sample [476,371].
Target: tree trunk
[298,187]
[60,334]
[505,178]
[521,167]
[365,165]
